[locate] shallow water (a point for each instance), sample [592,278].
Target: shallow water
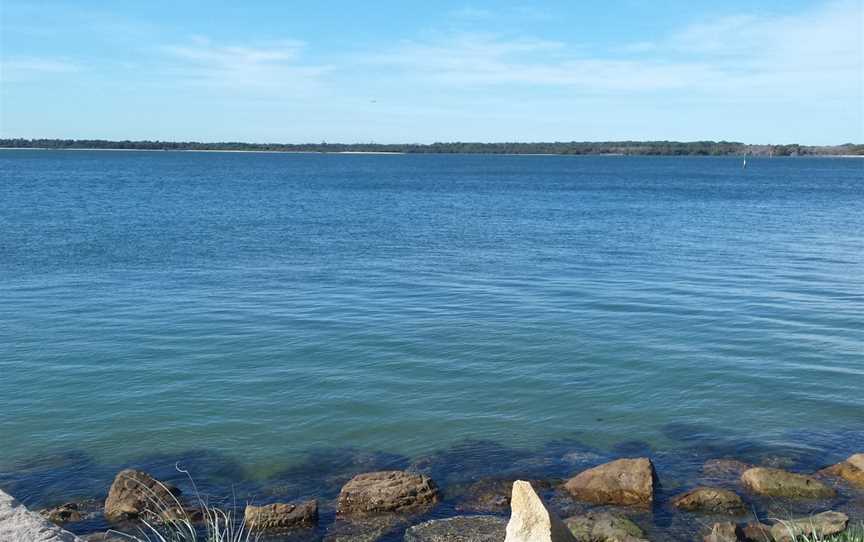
[262,306]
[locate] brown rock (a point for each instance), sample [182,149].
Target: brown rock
[710,499]
[281,516]
[757,532]
[780,483]
[818,526]
[386,492]
[724,532]
[64,513]
[624,482]
[135,492]
[604,527]
[722,468]
[851,470]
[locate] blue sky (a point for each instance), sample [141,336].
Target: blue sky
[397,71]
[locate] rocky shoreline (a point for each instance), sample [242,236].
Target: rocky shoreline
[615,501]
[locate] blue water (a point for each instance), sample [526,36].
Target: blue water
[258,306]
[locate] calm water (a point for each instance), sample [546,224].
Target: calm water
[258,306]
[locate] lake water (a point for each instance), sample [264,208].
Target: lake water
[256,308]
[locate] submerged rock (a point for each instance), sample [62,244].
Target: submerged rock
[757,532]
[71,512]
[17,524]
[851,470]
[724,468]
[459,529]
[710,499]
[531,520]
[281,516]
[818,526]
[386,492]
[604,527]
[623,482]
[724,532]
[135,492]
[781,483]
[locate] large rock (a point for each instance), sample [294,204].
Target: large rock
[135,492]
[386,492]
[710,499]
[530,520]
[604,527]
[623,482]
[851,470]
[780,483]
[17,524]
[724,532]
[459,529]
[281,516]
[818,526]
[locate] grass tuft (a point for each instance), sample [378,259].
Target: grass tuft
[170,521]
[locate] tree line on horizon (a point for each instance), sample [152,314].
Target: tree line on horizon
[638,148]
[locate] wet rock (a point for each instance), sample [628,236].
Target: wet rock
[105,537]
[281,516]
[386,492]
[780,483]
[135,492]
[459,529]
[623,482]
[851,470]
[820,525]
[367,529]
[710,499]
[757,532]
[724,532]
[71,512]
[723,468]
[64,513]
[530,520]
[604,527]
[17,524]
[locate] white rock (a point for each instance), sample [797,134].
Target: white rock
[17,524]
[531,521]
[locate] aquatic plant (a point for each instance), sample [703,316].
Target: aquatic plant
[171,522]
[854,533]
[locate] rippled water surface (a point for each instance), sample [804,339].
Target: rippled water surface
[257,306]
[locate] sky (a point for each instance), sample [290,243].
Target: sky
[389,71]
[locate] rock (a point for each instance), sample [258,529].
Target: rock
[530,520]
[135,492]
[624,482]
[386,492]
[819,526]
[486,496]
[780,483]
[851,470]
[724,532]
[71,512]
[710,499]
[459,529]
[105,537]
[604,527]
[281,516]
[757,532]
[17,524]
[64,513]
[366,529]
[724,468]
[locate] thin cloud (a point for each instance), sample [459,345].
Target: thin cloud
[273,65]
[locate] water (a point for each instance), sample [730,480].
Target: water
[259,306]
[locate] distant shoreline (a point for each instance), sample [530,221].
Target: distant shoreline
[263,151]
[554,148]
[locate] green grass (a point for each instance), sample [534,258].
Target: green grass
[854,533]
